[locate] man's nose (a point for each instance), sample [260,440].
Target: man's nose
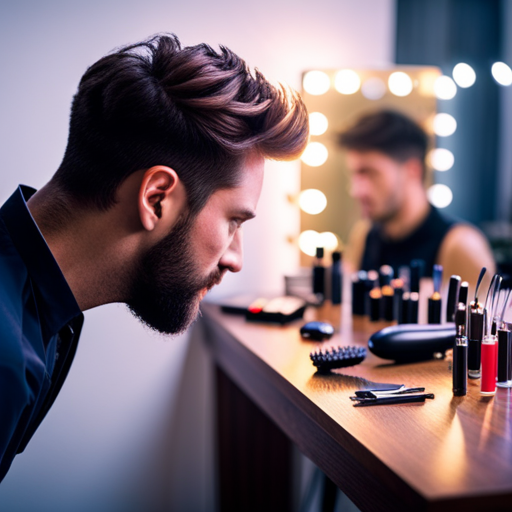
[233,258]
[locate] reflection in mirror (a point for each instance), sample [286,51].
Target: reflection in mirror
[335,100]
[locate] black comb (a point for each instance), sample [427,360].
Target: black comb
[337,357]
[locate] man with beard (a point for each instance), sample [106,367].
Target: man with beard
[164,163]
[385,154]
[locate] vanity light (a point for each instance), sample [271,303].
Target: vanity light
[440,195]
[502,73]
[464,75]
[315,154]
[400,83]
[347,81]
[318,123]
[444,125]
[312,201]
[441,159]
[445,88]
[316,82]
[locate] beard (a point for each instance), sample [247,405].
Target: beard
[167,283]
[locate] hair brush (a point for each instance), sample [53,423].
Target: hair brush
[337,357]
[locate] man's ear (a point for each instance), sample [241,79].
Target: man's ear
[159,196]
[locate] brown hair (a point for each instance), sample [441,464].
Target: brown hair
[388,132]
[198,111]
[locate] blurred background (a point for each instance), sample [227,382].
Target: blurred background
[132,429]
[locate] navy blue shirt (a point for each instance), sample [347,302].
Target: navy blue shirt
[40,323]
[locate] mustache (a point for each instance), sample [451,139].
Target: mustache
[214,278]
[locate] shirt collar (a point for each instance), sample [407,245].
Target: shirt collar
[56,302]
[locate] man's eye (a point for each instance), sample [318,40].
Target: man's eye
[236,224]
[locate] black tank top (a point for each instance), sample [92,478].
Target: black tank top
[421,244]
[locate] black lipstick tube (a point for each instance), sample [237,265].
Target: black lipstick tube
[434,309]
[403,310]
[388,303]
[413,307]
[453,298]
[476,334]
[504,348]
[460,354]
[359,293]
[375,298]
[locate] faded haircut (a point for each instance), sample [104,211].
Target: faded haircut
[197,110]
[388,132]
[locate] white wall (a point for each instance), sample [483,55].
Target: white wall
[131,428]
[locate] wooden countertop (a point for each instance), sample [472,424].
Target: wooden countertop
[450,451]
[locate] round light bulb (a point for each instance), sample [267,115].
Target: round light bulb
[445,88]
[347,81]
[441,159]
[440,195]
[308,242]
[373,88]
[444,125]
[312,201]
[464,75]
[315,154]
[400,83]
[316,82]
[502,73]
[318,123]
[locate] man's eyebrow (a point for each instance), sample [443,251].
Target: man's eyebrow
[244,214]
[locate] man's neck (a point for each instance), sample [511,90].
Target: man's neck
[411,215]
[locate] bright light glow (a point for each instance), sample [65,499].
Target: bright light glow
[316,82]
[347,81]
[308,242]
[464,75]
[445,88]
[440,195]
[312,201]
[441,159]
[400,83]
[373,88]
[502,73]
[328,240]
[444,125]
[315,154]
[317,123]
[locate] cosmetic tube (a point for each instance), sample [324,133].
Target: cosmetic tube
[319,273]
[388,303]
[475,336]
[403,310]
[359,293]
[488,378]
[463,293]
[375,299]
[398,288]
[504,356]
[434,308]
[460,353]
[453,298]
[414,298]
[336,278]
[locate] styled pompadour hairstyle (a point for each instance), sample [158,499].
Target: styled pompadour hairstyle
[196,110]
[388,132]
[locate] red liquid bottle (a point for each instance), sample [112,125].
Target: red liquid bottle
[488,358]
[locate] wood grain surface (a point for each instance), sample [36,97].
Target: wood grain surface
[450,451]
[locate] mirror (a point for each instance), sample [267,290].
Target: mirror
[335,99]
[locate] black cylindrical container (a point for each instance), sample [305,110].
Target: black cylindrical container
[359,293]
[434,309]
[476,334]
[460,366]
[403,311]
[504,347]
[413,308]
[386,274]
[388,303]
[453,298]
[336,278]
[319,272]
[463,293]
[375,299]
